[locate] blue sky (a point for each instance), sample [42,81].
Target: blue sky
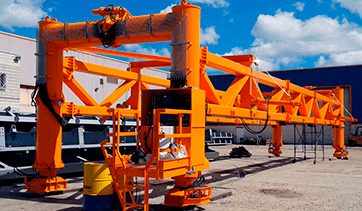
[282,34]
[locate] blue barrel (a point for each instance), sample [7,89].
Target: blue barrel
[97,203]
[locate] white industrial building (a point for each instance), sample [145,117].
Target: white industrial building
[18,68]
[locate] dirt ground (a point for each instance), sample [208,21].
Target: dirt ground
[270,183]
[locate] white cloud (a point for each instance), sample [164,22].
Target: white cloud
[168,9]
[337,59]
[21,13]
[299,6]
[209,36]
[355,6]
[150,51]
[282,40]
[321,62]
[213,3]
[320,1]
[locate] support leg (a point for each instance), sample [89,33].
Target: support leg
[338,131]
[49,131]
[338,143]
[48,154]
[277,141]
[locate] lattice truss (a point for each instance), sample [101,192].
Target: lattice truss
[243,99]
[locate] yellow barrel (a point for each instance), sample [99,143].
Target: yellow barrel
[97,180]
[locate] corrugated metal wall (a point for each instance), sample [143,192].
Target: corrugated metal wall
[9,84]
[25,48]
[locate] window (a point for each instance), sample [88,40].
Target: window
[112,80]
[2,81]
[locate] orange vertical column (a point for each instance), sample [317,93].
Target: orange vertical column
[193,40]
[338,131]
[49,131]
[277,140]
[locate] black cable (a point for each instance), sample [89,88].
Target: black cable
[199,182]
[33,94]
[110,8]
[18,171]
[107,37]
[44,97]
[266,121]
[21,173]
[146,138]
[136,192]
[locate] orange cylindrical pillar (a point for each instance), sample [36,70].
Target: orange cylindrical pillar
[192,43]
[338,131]
[277,141]
[49,130]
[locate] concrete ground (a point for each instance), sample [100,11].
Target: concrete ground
[271,183]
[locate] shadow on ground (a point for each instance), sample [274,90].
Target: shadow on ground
[158,188]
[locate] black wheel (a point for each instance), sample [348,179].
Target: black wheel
[294,161]
[314,162]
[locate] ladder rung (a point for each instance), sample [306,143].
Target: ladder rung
[122,134]
[134,205]
[137,186]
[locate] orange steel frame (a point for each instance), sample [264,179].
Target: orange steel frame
[242,102]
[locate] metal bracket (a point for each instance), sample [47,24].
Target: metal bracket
[81,136]
[2,138]
[150,24]
[40,54]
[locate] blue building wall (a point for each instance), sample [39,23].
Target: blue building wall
[331,76]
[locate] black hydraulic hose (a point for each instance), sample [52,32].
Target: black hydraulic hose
[107,37]
[146,138]
[266,121]
[44,97]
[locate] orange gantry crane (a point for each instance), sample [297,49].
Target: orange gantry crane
[187,101]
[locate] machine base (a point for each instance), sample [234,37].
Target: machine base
[276,152]
[46,185]
[341,154]
[188,197]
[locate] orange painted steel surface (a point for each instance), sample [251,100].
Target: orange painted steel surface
[242,103]
[193,40]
